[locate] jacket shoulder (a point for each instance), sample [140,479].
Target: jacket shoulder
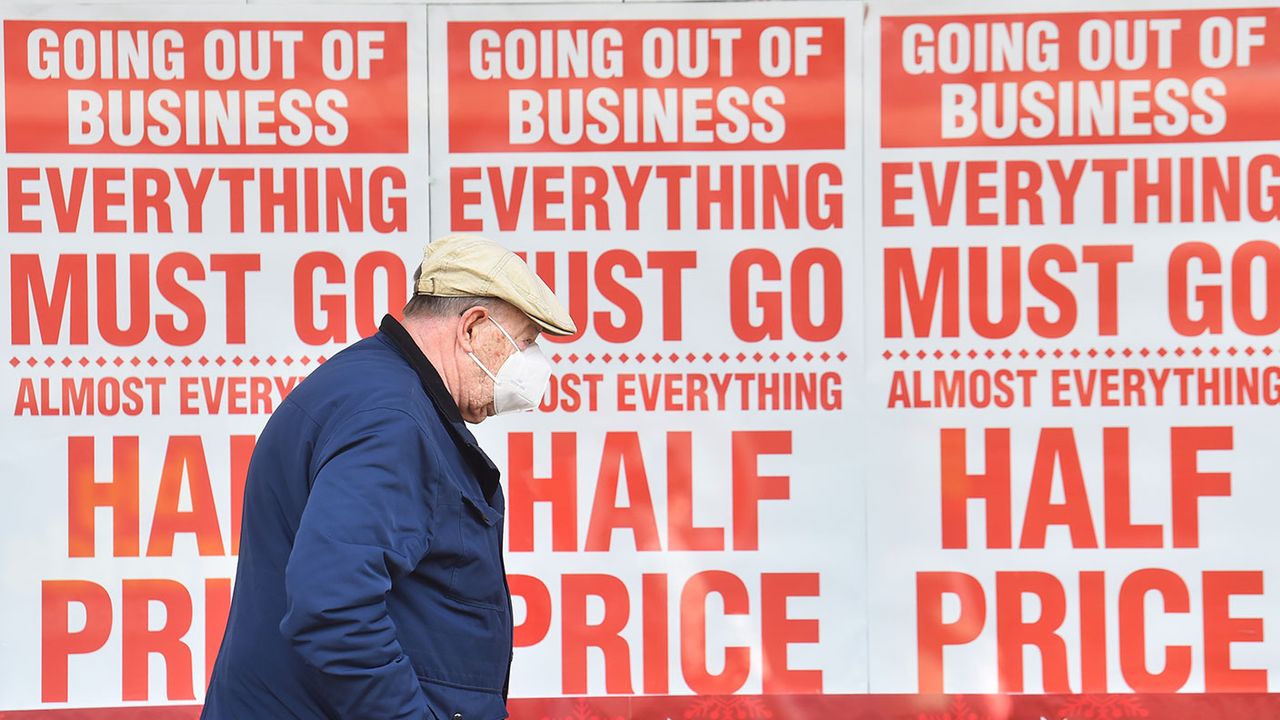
[367,375]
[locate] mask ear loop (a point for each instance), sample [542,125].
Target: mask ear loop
[502,330]
[476,360]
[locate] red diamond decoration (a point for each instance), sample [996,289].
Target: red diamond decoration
[305,360]
[1144,352]
[15,362]
[639,357]
[674,357]
[102,361]
[623,357]
[990,354]
[49,361]
[742,357]
[791,357]
[1057,353]
[1196,351]
[1126,352]
[186,360]
[774,357]
[1040,353]
[921,354]
[887,355]
[237,361]
[973,354]
[1075,353]
[826,356]
[1231,351]
[1092,353]
[556,358]
[84,362]
[1022,353]
[724,357]
[254,360]
[1266,351]
[1249,351]
[573,357]
[321,359]
[1179,352]
[1110,352]
[691,357]
[1161,352]
[841,356]
[757,357]
[31,361]
[119,361]
[904,355]
[955,354]
[271,360]
[288,360]
[809,356]
[937,354]
[589,357]
[152,361]
[1006,354]
[169,361]
[606,357]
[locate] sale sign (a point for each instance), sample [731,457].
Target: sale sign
[201,205]
[684,514]
[987,436]
[166,88]
[1073,264]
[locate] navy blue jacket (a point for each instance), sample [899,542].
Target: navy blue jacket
[370,582]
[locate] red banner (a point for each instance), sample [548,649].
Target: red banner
[639,85]
[198,87]
[1078,78]
[792,707]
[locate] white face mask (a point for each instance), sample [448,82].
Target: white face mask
[522,379]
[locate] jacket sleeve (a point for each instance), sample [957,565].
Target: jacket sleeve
[366,522]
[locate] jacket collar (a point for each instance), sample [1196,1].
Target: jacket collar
[431,380]
[433,384]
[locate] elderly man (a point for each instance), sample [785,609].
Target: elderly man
[371,581]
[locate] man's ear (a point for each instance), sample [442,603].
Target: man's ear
[468,324]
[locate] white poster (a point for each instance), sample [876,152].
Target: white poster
[201,205]
[1073,267]
[685,515]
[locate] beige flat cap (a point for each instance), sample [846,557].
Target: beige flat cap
[470,265]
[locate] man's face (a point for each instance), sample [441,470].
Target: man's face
[491,347]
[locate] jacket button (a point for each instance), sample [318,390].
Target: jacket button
[457,716]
